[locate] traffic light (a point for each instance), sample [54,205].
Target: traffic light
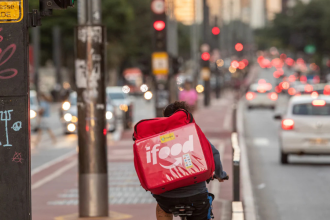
[239,47]
[46,6]
[159,26]
[215,31]
[205,59]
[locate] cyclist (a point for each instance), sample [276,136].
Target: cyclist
[195,195]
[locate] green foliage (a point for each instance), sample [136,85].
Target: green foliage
[303,25]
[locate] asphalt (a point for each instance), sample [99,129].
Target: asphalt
[297,191]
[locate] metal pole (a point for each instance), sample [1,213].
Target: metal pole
[207,84]
[15,156]
[90,81]
[36,55]
[57,59]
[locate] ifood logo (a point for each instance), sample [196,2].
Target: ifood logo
[175,150]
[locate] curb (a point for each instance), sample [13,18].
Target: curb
[248,197]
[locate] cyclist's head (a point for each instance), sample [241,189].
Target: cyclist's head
[172,108]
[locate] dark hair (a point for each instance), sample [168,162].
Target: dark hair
[172,108]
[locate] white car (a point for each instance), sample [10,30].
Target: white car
[70,115]
[119,99]
[34,111]
[261,95]
[305,126]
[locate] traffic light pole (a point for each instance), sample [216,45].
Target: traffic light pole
[15,164]
[207,84]
[90,82]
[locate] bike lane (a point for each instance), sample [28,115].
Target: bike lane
[55,189]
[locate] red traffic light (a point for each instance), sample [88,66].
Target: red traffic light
[206,56]
[215,31]
[159,25]
[239,47]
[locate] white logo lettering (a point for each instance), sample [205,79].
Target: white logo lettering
[166,151]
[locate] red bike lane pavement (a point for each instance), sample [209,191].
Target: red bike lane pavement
[55,189]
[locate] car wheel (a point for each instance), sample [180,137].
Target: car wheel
[284,158]
[272,107]
[250,107]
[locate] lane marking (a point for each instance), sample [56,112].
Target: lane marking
[53,162]
[53,175]
[261,142]
[215,186]
[250,209]
[228,119]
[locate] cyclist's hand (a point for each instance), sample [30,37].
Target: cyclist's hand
[220,180]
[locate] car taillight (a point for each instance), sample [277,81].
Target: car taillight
[285,85]
[292,91]
[318,103]
[287,124]
[273,96]
[315,94]
[250,95]
[309,88]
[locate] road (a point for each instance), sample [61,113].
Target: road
[297,191]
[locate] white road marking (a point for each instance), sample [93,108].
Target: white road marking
[53,175]
[261,142]
[215,186]
[53,162]
[228,120]
[250,209]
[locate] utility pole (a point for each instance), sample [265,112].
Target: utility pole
[90,82]
[57,59]
[205,72]
[36,55]
[15,164]
[160,56]
[216,51]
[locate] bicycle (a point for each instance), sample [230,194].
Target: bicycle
[183,211]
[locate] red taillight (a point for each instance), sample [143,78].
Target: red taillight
[308,88]
[314,94]
[292,91]
[318,103]
[250,95]
[278,89]
[273,96]
[292,78]
[303,79]
[287,124]
[326,90]
[284,85]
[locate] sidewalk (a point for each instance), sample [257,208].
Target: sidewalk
[57,198]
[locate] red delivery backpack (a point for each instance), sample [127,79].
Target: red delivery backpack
[171,152]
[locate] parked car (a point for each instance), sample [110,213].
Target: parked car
[34,111]
[70,115]
[305,126]
[261,95]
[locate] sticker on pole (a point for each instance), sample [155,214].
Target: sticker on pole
[11,11]
[160,63]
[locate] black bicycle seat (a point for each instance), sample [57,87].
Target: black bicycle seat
[182,210]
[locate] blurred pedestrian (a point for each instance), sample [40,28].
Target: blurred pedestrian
[189,95]
[44,119]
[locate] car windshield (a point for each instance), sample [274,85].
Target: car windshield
[73,99]
[114,96]
[309,109]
